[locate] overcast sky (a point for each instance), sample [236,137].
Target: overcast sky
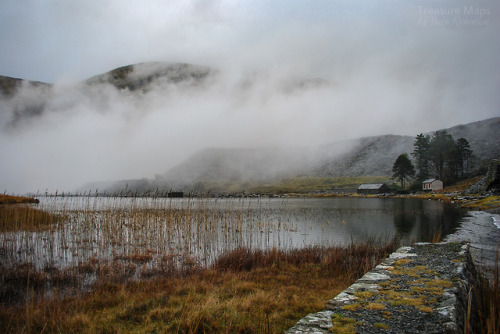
[400,67]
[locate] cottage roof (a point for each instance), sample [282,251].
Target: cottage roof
[371,186]
[429,181]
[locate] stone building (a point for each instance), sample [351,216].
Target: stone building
[432,185]
[373,188]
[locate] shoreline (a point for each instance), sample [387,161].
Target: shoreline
[418,283]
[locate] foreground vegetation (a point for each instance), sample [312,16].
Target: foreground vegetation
[16,215]
[484,303]
[242,292]
[130,265]
[9,199]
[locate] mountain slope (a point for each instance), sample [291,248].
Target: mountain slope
[370,156]
[22,100]
[144,76]
[240,165]
[10,86]
[483,137]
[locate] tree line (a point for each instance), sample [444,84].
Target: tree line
[440,157]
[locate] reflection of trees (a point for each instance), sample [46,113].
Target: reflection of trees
[428,218]
[451,217]
[404,220]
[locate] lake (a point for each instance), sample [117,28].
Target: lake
[104,228]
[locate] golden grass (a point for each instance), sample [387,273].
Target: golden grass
[343,325]
[488,203]
[9,199]
[17,215]
[269,294]
[381,325]
[315,184]
[20,217]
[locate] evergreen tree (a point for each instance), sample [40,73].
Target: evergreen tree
[441,149]
[464,154]
[403,169]
[421,155]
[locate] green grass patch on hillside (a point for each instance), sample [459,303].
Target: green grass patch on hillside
[317,184]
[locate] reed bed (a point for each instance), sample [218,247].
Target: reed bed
[243,291]
[21,217]
[134,264]
[69,243]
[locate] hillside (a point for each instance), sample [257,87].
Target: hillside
[182,108]
[334,166]
[23,100]
[364,157]
[370,156]
[145,76]
[10,86]
[483,136]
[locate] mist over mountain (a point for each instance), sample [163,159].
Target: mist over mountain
[22,100]
[181,126]
[147,76]
[367,156]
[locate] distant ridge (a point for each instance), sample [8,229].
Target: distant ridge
[369,156]
[142,76]
[9,86]
[23,100]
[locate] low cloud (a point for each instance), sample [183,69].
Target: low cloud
[283,75]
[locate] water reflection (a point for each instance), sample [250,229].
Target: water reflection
[114,228]
[419,220]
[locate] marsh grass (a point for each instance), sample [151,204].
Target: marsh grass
[18,214]
[10,199]
[21,217]
[483,313]
[158,264]
[244,291]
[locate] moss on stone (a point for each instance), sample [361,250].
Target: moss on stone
[343,324]
[381,325]
[375,306]
[352,307]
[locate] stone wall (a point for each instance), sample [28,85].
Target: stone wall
[418,289]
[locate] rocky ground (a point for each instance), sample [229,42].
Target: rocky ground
[418,289]
[412,291]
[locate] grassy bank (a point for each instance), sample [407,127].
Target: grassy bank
[9,199]
[316,184]
[17,215]
[242,292]
[296,185]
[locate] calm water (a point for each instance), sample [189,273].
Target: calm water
[107,228]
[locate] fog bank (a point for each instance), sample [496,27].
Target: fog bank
[281,74]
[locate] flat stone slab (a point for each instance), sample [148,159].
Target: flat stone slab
[415,290]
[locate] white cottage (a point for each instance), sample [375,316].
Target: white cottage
[432,185]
